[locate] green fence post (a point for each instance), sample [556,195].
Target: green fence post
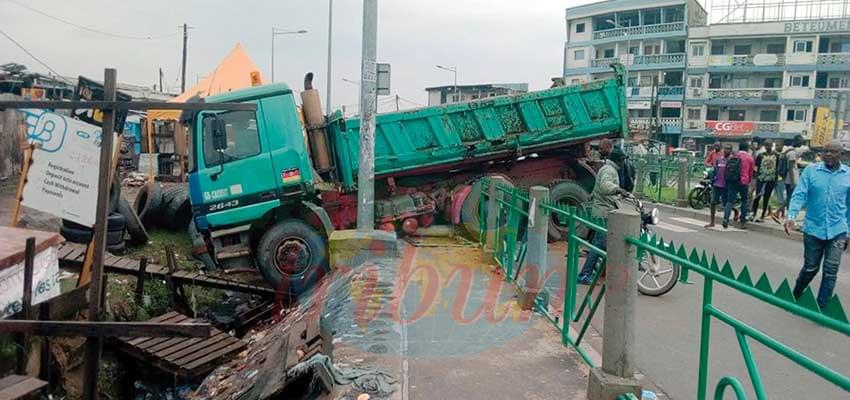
[705,338]
[511,235]
[572,268]
[493,195]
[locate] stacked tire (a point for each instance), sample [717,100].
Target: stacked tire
[115,228]
[167,207]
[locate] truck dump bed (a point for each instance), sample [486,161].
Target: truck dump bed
[493,128]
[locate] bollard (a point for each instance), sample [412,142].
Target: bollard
[536,247]
[682,197]
[640,165]
[617,375]
[492,214]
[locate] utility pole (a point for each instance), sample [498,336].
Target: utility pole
[330,55]
[368,103]
[183,66]
[160,81]
[396,103]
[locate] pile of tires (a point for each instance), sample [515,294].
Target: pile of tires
[164,207]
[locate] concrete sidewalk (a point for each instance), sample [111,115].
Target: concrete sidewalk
[769,226]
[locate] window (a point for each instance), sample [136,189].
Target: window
[632,81]
[652,17]
[712,114]
[608,53]
[634,50]
[243,138]
[454,98]
[652,49]
[698,50]
[578,55]
[671,112]
[775,48]
[769,116]
[742,49]
[802,46]
[799,80]
[694,113]
[740,83]
[838,83]
[696,82]
[715,82]
[580,27]
[772,82]
[796,115]
[839,47]
[737,115]
[718,49]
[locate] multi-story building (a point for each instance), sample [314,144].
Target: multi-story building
[457,94]
[757,74]
[649,38]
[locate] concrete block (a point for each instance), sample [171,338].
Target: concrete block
[351,248]
[604,386]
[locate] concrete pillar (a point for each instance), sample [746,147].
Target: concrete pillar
[682,196]
[617,375]
[536,247]
[640,177]
[493,194]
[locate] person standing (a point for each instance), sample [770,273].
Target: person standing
[824,190]
[713,155]
[605,197]
[740,170]
[765,180]
[793,175]
[718,183]
[781,173]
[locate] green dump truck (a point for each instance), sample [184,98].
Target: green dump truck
[268,186]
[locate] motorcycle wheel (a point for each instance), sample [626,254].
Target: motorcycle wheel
[657,276]
[697,198]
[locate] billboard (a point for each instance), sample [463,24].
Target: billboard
[730,128]
[824,126]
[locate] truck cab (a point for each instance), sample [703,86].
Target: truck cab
[251,187]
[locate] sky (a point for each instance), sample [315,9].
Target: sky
[487,40]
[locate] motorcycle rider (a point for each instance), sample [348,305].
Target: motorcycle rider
[605,197]
[718,182]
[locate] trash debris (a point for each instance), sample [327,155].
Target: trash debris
[648,395]
[369,380]
[135,179]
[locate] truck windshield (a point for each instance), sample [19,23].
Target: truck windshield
[243,139]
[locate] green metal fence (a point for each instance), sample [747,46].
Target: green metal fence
[658,175]
[513,208]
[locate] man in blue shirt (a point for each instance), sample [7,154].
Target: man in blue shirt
[824,189]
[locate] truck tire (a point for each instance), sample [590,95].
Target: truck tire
[292,257]
[115,222]
[469,213]
[567,193]
[83,236]
[148,201]
[114,195]
[117,249]
[137,231]
[177,212]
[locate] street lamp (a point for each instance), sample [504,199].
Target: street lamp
[452,69]
[280,32]
[353,82]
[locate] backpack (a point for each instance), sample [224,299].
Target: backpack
[767,168]
[733,169]
[782,166]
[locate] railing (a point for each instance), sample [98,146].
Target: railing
[749,60]
[639,30]
[772,94]
[646,123]
[646,91]
[671,90]
[514,208]
[834,58]
[828,94]
[657,176]
[653,59]
[603,62]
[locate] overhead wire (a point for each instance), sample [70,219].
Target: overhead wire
[87,28]
[38,60]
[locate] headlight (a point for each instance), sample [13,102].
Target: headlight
[654,216]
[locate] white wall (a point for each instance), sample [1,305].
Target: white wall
[572,62]
[573,36]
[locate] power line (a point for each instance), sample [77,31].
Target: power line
[86,28]
[20,46]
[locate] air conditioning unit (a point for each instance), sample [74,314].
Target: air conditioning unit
[696,92]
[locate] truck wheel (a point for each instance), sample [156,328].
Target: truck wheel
[148,201]
[292,257]
[83,236]
[137,231]
[566,193]
[470,211]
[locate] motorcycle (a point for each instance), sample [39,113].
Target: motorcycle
[657,275]
[700,196]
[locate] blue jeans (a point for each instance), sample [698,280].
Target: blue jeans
[815,250]
[600,240]
[733,190]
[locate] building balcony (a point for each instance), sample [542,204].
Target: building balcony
[664,92]
[632,31]
[668,125]
[834,59]
[829,94]
[674,60]
[747,60]
[747,94]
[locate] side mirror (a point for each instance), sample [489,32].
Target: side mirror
[219,134]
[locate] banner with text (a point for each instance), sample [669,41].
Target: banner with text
[62,178]
[45,282]
[730,128]
[824,126]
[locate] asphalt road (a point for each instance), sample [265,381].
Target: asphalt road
[668,333]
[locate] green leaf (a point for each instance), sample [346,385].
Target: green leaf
[807,300]
[784,291]
[727,271]
[744,277]
[835,310]
[763,284]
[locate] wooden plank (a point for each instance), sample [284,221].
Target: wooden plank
[225,342]
[64,251]
[128,263]
[238,346]
[11,380]
[22,388]
[188,343]
[104,329]
[175,318]
[13,244]
[194,348]
[161,318]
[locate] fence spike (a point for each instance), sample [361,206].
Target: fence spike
[784,291]
[744,277]
[835,310]
[713,266]
[807,300]
[682,252]
[703,260]
[727,270]
[672,248]
[654,238]
[763,284]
